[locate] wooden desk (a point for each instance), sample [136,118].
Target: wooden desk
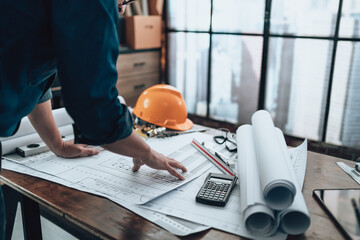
[106,220]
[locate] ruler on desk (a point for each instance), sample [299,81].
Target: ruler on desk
[350,171]
[215,159]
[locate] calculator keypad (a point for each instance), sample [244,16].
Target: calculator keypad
[214,191]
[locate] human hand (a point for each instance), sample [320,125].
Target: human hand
[160,162]
[121,7]
[71,150]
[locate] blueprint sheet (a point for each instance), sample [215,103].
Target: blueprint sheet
[174,225]
[111,174]
[181,202]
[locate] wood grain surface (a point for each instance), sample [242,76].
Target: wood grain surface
[108,220]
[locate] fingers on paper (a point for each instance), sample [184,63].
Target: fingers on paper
[177,164]
[173,172]
[85,151]
[89,152]
[137,164]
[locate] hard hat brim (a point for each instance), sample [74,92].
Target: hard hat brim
[182,126]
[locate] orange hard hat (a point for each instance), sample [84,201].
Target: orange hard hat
[163,105]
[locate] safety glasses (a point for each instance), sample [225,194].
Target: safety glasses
[225,136]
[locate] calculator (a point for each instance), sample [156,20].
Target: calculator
[216,189]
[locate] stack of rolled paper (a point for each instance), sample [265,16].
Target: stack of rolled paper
[271,198]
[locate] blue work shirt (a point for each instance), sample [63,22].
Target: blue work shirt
[76,39]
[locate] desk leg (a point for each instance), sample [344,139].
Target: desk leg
[11,199]
[31,219]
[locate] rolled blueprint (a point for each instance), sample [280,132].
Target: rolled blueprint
[61,117]
[295,219]
[276,181]
[259,219]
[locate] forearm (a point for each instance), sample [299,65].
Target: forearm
[132,146]
[43,121]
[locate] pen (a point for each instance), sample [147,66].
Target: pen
[171,134]
[356,209]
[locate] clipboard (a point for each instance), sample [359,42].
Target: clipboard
[337,203]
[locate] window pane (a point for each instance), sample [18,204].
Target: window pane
[297,80]
[350,19]
[344,117]
[312,17]
[188,68]
[189,15]
[239,16]
[236,64]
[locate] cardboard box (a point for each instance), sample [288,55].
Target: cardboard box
[143,32]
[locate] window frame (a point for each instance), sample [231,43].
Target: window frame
[266,35]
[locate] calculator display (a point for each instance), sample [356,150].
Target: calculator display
[219,180]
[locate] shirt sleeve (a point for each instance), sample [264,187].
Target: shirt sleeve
[86,49]
[46,96]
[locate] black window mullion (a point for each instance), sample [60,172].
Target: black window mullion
[332,68]
[208,97]
[167,77]
[265,52]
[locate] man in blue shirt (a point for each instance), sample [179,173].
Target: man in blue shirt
[76,40]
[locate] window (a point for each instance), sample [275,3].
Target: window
[296,89]
[188,68]
[300,60]
[235,77]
